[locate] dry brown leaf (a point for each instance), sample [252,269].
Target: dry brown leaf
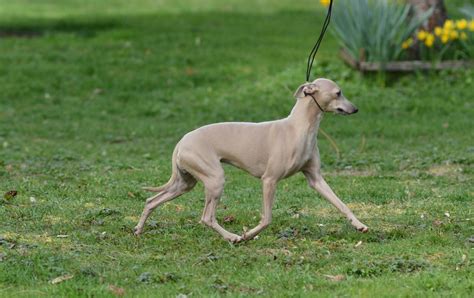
[189,71]
[229,218]
[62,278]
[117,291]
[335,278]
[10,194]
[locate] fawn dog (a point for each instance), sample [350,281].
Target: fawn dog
[271,151]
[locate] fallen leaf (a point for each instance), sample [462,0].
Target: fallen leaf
[131,194]
[117,291]
[189,71]
[97,91]
[437,222]
[358,244]
[336,278]
[62,236]
[229,218]
[33,200]
[89,205]
[62,278]
[10,194]
[447,214]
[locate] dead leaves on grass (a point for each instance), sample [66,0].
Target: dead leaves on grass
[335,278]
[229,218]
[445,170]
[61,278]
[117,291]
[9,195]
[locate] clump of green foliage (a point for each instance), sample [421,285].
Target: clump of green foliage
[374,29]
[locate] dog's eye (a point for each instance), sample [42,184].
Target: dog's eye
[339,93]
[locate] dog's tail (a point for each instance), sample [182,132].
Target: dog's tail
[174,175]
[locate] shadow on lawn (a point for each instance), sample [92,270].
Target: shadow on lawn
[38,28]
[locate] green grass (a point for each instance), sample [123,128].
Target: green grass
[94,100]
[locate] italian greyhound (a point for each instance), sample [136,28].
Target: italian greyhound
[271,151]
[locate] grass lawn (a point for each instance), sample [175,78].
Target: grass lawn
[95,94]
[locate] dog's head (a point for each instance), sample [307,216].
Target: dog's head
[327,95]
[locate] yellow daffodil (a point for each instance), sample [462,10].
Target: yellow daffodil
[471,25]
[325,3]
[454,35]
[449,24]
[429,41]
[407,43]
[444,38]
[438,31]
[463,36]
[461,24]
[422,35]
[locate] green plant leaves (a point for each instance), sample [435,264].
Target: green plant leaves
[374,30]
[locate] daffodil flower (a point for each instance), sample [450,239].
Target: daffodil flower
[407,43]
[471,25]
[429,41]
[449,24]
[444,38]
[454,35]
[461,24]
[325,3]
[422,35]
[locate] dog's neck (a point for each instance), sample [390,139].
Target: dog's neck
[306,115]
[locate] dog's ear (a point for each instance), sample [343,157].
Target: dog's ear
[305,89]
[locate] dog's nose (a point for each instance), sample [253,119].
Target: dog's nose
[355,110]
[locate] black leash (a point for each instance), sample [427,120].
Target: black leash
[316,102]
[318,43]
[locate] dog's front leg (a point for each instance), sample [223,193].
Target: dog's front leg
[269,186]
[317,182]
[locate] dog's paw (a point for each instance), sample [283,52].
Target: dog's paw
[234,239]
[246,237]
[362,229]
[358,225]
[137,231]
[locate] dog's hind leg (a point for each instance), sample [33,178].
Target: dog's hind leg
[173,189]
[213,181]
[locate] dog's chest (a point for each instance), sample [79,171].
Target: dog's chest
[301,154]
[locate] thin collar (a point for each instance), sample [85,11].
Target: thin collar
[316,102]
